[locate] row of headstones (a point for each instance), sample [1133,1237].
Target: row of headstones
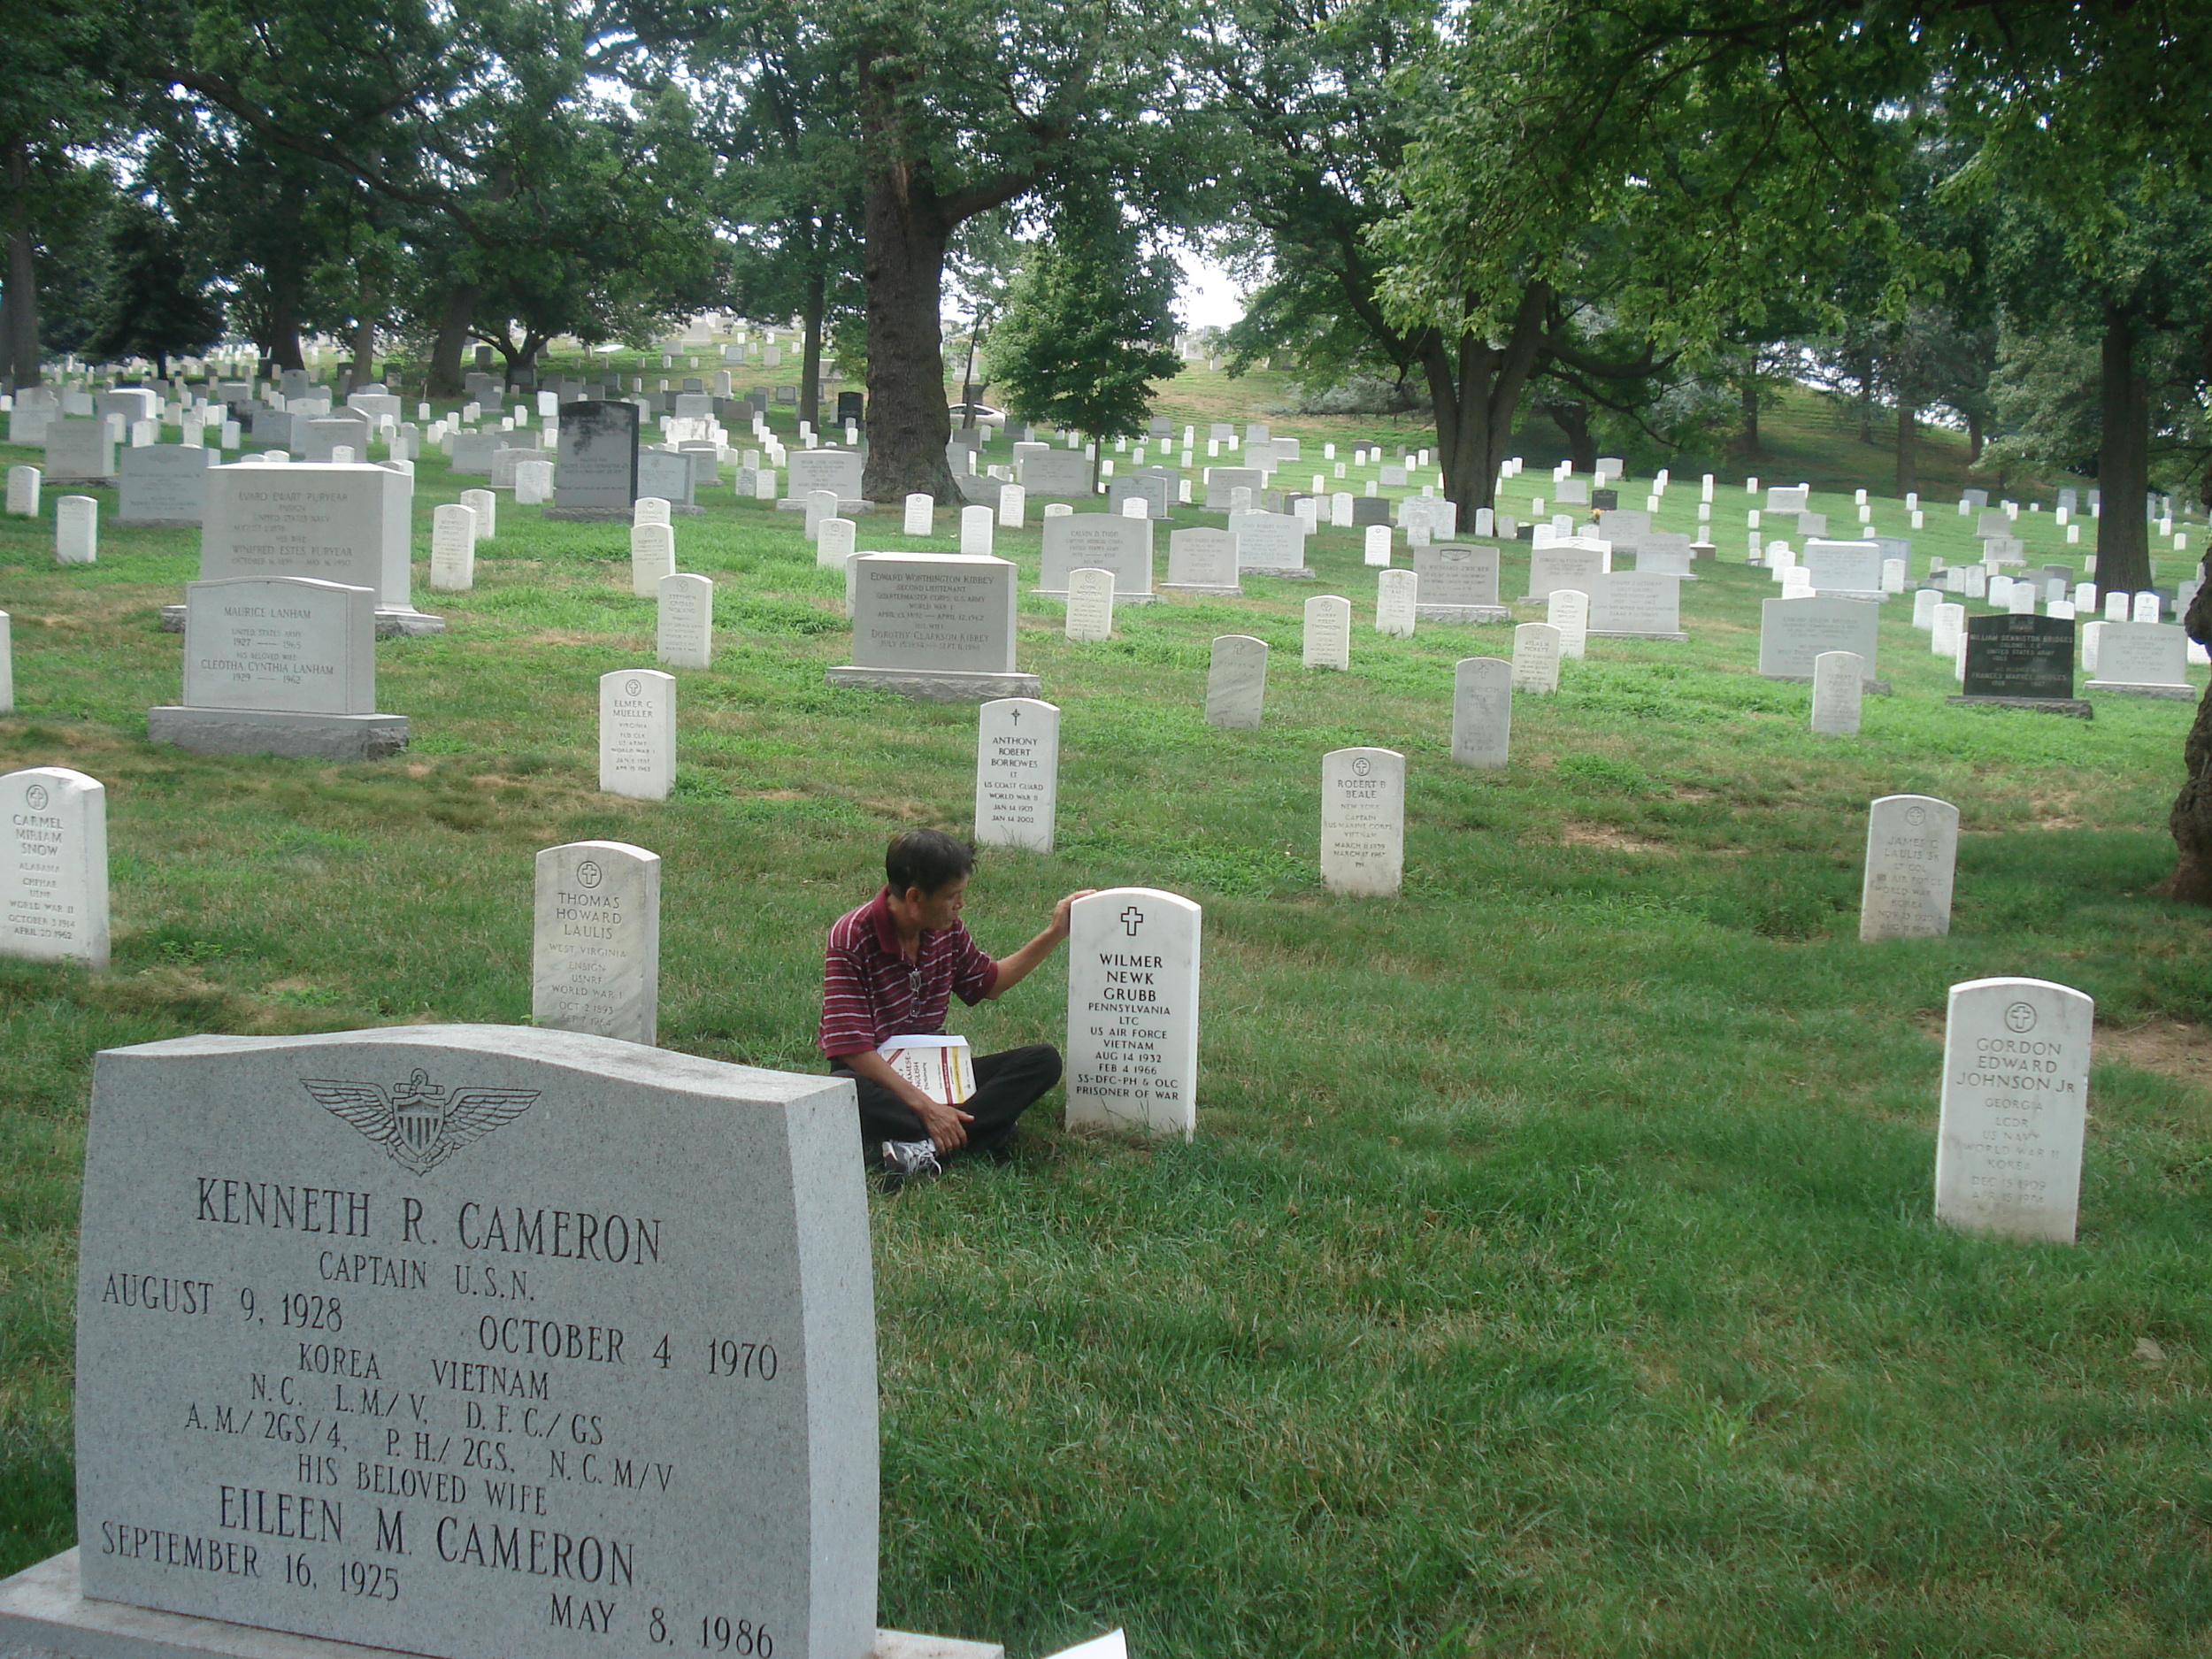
[2016,1055]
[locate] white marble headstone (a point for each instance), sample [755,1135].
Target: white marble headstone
[1133,1010]
[637,733]
[1017,773]
[1568,609]
[650,510]
[1482,710]
[975,532]
[1536,659]
[54,866]
[684,629]
[1912,843]
[652,555]
[453,548]
[485,505]
[1838,686]
[834,540]
[7,665]
[2014,1108]
[1377,544]
[1363,821]
[23,489]
[921,515]
[596,950]
[76,530]
[1236,682]
[1394,595]
[1090,604]
[1013,507]
[1328,636]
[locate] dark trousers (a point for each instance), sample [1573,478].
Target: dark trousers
[1006,1086]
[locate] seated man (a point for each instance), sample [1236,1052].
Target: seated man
[891,969]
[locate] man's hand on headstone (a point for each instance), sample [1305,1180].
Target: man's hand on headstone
[1060,912]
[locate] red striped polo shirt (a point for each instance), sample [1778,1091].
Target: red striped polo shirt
[871,993]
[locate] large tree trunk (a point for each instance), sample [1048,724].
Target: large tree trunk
[2124,554]
[908,425]
[1747,401]
[364,368]
[453,339]
[19,318]
[2191,820]
[284,320]
[810,351]
[1908,457]
[1973,439]
[1573,421]
[1475,393]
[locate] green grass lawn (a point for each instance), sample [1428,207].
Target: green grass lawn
[1553,1271]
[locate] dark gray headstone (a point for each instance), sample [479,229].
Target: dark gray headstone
[2019,657]
[1605,500]
[1368,510]
[596,470]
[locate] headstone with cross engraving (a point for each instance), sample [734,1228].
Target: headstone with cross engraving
[1017,773]
[2014,1108]
[1363,821]
[594,963]
[637,733]
[1132,1012]
[1912,843]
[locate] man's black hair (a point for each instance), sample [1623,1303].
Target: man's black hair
[926,858]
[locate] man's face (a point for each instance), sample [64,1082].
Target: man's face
[940,909]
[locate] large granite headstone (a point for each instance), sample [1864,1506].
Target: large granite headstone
[1099,541]
[935,625]
[1048,474]
[54,866]
[79,452]
[1792,632]
[595,473]
[2014,1108]
[461,1328]
[1852,569]
[163,485]
[1457,583]
[1270,544]
[2021,662]
[667,474]
[2143,659]
[348,525]
[1133,1010]
[1202,562]
[1636,605]
[1558,566]
[279,666]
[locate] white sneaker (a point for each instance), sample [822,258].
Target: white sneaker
[905,1161]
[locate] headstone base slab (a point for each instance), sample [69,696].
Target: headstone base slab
[1872,595]
[154,524]
[1624,633]
[591,515]
[1462,613]
[1303,573]
[2171,694]
[1195,590]
[268,732]
[390,625]
[43,1610]
[845,509]
[936,685]
[2075,706]
[109,482]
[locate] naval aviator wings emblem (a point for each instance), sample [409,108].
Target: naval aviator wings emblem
[420,1124]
